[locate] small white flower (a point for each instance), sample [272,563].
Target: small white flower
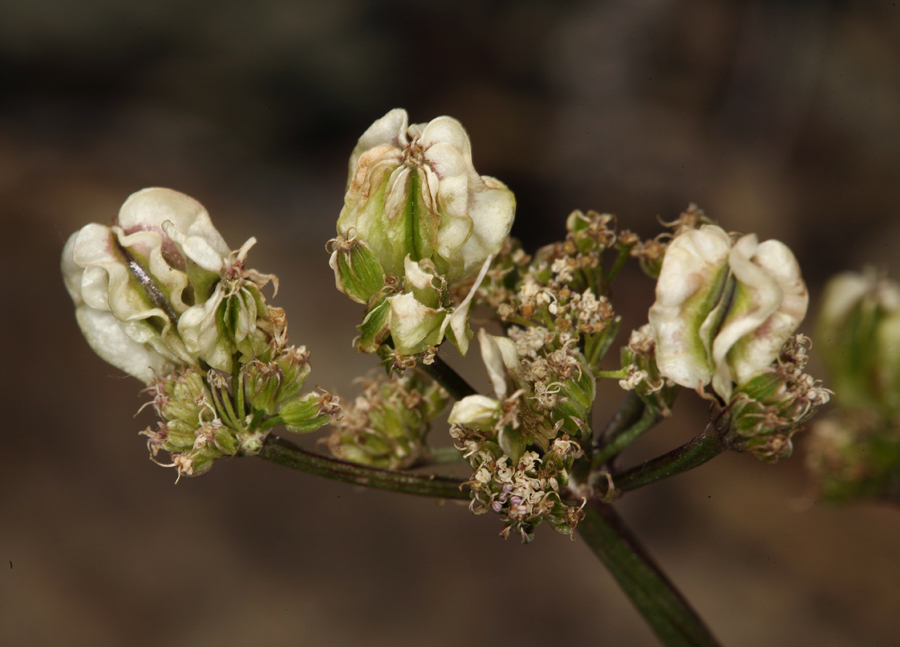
[475,411]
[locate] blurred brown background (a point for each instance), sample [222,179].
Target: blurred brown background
[776,117]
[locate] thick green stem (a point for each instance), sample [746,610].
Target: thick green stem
[283,452]
[702,448]
[443,374]
[669,615]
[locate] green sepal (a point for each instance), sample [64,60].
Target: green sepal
[513,443]
[375,328]
[359,272]
[302,416]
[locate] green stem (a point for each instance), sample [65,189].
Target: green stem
[700,449]
[624,437]
[443,374]
[285,453]
[443,455]
[237,386]
[624,253]
[619,374]
[669,615]
[629,412]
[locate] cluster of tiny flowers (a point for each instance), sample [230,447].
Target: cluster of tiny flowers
[855,452]
[387,424]
[545,369]
[643,377]
[190,428]
[650,252]
[769,409]
[201,421]
[523,493]
[562,289]
[853,455]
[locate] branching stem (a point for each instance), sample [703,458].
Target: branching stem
[285,453]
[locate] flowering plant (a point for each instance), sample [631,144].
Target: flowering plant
[422,242]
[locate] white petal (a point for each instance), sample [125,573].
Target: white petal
[500,358]
[478,411]
[843,292]
[107,337]
[415,275]
[692,270]
[460,316]
[150,208]
[448,131]
[414,326]
[200,332]
[196,248]
[770,276]
[72,273]
[390,130]
[492,212]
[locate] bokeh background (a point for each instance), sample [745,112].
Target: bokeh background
[776,117]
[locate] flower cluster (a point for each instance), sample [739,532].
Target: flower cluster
[768,409]
[560,296]
[416,217]
[159,295]
[859,333]
[856,452]
[388,422]
[524,491]
[422,239]
[160,288]
[855,455]
[543,398]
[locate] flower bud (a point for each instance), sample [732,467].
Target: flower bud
[269,384]
[234,319]
[859,333]
[388,423]
[766,410]
[476,411]
[723,311]
[413,191]
[375,328]
[639,358]
[422,316]
[357,270]
[184,403]
[305,414]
